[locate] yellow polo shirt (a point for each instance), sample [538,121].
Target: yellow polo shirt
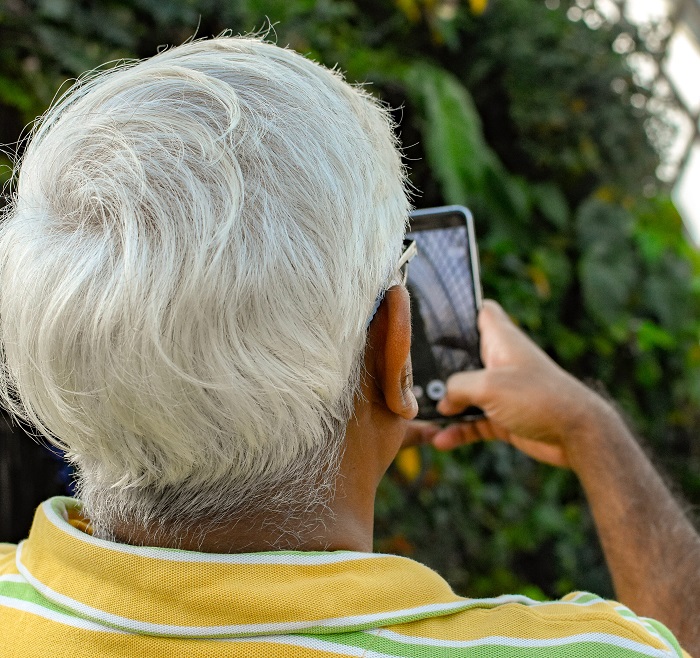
[64,593]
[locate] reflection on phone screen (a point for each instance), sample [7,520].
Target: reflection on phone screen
[443,299]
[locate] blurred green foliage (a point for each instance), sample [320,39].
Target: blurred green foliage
[512,111]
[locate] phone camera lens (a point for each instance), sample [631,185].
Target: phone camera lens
[436,390]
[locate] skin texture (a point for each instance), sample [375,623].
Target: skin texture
[652,550]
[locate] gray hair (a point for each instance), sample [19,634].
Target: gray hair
[187,266]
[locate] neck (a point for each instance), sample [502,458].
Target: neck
[345,524]
[372,438]
[244,536]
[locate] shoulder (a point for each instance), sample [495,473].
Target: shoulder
[579,624]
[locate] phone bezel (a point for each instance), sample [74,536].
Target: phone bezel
[440,217]
[430,219]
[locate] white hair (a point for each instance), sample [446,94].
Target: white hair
[187,265]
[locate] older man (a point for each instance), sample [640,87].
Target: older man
[200,304]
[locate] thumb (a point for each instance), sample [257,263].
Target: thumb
[464,389]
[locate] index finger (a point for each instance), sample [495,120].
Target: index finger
[419,432]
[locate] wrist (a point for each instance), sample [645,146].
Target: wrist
[594,435]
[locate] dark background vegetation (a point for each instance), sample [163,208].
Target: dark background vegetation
[537,124]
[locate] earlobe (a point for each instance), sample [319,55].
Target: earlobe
[390,336]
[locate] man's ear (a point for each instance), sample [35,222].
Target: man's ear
[390,343]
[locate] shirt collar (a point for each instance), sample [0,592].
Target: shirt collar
[172,592]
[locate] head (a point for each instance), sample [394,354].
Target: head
[187,267]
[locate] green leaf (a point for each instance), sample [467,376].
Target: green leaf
[16,95]
[507,195]
[452,134]
[569,345]
[608,268]
[668,297]
[650,336]
[648,371]
[608,277]
[552,204]
[598,222]
[557,267]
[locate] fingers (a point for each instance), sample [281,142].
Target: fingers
[465,433]
[455,436]
[493,320]
[506,351]
[491,313]
[548,453]
[502,343]
[419,432]
[464,389]
[462,434]
[518,388]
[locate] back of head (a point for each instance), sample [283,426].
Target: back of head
[186,272]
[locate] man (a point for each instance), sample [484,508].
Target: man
[200,304]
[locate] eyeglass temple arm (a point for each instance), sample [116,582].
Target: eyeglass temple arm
[409,253]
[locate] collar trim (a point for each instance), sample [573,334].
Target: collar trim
[177,593]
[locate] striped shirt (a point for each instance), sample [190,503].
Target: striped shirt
[64,593]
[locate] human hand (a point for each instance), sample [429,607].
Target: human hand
[529,401]
[419,432]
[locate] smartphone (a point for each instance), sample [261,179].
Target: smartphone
[445,288]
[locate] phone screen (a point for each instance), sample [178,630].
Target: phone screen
[443,280]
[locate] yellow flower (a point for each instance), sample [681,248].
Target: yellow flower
[478,7]
[605,193]
[410,8]
[408,463]
[539,278]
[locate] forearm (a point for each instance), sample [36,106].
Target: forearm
[651,548]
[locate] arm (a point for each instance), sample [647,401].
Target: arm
[651,548]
